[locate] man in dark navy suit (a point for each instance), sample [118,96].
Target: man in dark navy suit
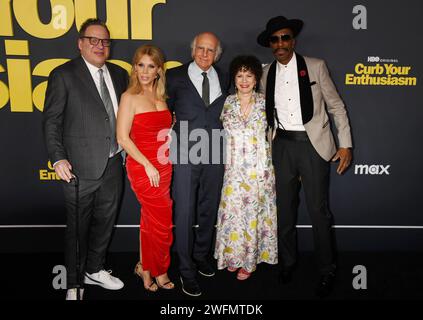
[197,91]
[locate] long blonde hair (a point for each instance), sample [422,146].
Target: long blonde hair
[157,56]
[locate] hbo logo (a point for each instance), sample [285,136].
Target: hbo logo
[373,59]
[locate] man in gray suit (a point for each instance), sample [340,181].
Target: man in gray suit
[299,93]
[79,123]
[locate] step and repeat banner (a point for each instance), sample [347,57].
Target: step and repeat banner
[372,49]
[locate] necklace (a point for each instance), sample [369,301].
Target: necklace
[245,111]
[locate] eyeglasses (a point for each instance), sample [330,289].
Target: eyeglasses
[95,41]
[283,37]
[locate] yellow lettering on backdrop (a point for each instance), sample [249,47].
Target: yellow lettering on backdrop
[127,66]
[20,85]
[19,76]
[171,64]
[4,91]
[43,69]
[48,175]
[6,28]
[117,16]
[26,14]
[142,18]
[43,174]
[16,47]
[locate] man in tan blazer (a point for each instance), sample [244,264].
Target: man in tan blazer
[299,94]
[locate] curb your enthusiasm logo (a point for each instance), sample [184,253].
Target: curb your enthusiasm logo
[384,73]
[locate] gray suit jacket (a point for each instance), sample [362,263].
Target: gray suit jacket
[75,121]
[318,96]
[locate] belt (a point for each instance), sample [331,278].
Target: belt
[292,135]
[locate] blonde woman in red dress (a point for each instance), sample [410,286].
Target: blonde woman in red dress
[143,126]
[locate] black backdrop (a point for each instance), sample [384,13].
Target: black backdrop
[376,203]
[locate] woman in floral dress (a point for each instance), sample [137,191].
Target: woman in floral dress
[246,223]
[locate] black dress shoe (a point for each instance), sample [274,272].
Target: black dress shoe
[285,276]
[205,269]
[190,287]
[325,285]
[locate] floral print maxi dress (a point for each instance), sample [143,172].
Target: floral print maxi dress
[246,223]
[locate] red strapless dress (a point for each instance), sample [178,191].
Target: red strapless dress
[149,133]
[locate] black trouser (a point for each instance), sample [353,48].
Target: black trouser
[297,163]
[196,194]
[99,202]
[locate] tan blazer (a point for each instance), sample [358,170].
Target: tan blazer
[325,99]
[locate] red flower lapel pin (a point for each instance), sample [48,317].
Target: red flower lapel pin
[303,73]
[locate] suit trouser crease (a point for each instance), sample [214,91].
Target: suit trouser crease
[294,159]
[195,205]
[98,207]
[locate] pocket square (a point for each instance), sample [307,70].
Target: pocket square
[325,124]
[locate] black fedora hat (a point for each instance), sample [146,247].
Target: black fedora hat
[277,23]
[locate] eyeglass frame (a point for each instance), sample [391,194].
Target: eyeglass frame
[97,41]
[282,37]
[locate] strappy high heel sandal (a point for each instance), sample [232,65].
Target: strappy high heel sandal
[168,285]
[138,271]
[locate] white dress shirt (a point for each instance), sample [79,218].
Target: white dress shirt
[287,96]
[195,74]
[96,77]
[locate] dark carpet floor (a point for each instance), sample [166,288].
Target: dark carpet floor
[390,275]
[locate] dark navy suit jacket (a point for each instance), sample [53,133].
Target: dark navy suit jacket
[190,111]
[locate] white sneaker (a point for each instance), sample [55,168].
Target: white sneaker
[71,294]
[103,279]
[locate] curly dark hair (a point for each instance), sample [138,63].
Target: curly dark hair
[246,63]
[92,22]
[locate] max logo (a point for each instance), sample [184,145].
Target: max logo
[372,169]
